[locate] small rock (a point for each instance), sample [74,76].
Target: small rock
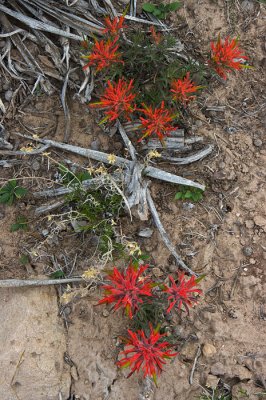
[248,251]
[252,261]
[8,95]
[188,206]
[157,272]
[118,145]
[245,169]
[248,6]
[106,313]
[212,381]
[249,224]
[45,232]
[260,221]
[146,232]
[74,373]
[257,142]
[209,350]
[2,44]
[95,144]
[218,369]
[172,268]
[35,165]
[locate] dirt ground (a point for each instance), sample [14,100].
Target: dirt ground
[50,351]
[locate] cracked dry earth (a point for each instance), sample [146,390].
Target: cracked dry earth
[47,357]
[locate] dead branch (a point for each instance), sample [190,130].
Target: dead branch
[9,283]
[152,172]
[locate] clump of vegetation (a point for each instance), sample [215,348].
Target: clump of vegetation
[189,193]
[161,10]
[147,302]
[11,191]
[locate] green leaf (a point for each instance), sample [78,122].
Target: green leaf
[57,274]
[178,195]
[20,192]
[156,12]
[11,184]
[5,197]
[21,223]
[200,278]
[188,195]
[84,176]
[173,6]
[148,7]
[24,259]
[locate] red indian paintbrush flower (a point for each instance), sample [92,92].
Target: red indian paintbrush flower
[147,353]
[117,100]
[182,89]
[103,54]
[112,27]
[126,289]
[182,293]
[157,121]
[157,37]
[226,56]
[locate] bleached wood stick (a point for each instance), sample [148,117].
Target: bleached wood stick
[152,172]
[9,283]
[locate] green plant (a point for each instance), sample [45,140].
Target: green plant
[20,224]
[24,259]
[11,191]
[219,393]
[94,209]
[189,193]
[161,10]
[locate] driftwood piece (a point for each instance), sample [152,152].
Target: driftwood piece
[199,155]
[9,283]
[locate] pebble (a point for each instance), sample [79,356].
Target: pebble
[6,86]
[172,268]
[249,224]
[8,95]
[257,142]
[248,251]
[209,350]
[45,232]
[157,272]
[212,381]
[146,232]
[35,166]
[74,373]
[218,369]
[2,44]
[105,313]
[247,6]
[95,144]
[252,261]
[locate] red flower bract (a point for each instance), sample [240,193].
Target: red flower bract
[182,293]
[157,121]
[157,37]
[182,89]
[145,352]
[226,56]
[103,54]
[117,100]
[126,289]
[113,26]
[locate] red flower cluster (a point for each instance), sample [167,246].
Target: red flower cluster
[145,352]
[182,89]
[158,121]
[103,54]
[112,27]
[126,289]
[182,293]
[117,100]
[226,56]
